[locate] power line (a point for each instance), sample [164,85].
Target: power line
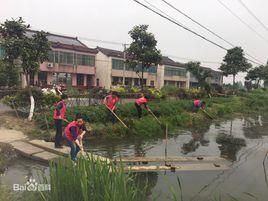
[253,15]
[197,22]
[209,30]
[180,25]
[162,12]
[188,59]
[182,58]
[101,41]
[186,28]
[241,20]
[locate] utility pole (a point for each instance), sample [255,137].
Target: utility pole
[124,68]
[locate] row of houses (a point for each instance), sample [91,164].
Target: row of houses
[72,63]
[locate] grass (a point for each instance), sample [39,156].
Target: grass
[175,113]
[91,180]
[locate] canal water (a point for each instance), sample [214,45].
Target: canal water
[242,142]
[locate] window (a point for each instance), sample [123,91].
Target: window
[90,80]
[181,84]
[117,80]
[136,82]
[62,78]
[169,83]
[56,57]
[51,56]
[174,71]
[128,81]
[85,60]
[42,78]
[117,64]
[66,58]
[80,79]
[152,69]
[152,83]
[98,82]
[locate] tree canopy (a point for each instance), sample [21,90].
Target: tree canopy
[143,49]
[30,50]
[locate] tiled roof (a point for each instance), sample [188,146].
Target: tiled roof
[111,53]
[120,54]
[65,42]
[170,62]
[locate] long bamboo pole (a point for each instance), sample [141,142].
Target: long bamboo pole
[154,116]
[207,113]
[116,116]
[166,132]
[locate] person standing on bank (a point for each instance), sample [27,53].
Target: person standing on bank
[143,100]
[110,101]
[73,135]
[59,116]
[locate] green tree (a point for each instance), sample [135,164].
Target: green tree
[257,74]
[201,74]
[142,51]
[234,62]
[9,75]
[30,51]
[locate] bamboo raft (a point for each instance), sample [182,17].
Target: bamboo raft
[182,167]
[167,159]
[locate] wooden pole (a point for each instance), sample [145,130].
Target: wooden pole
[207,113]
[166,132]
[154,116]
[116,116]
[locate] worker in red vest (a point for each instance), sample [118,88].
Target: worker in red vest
[59,116]
[110,101]
[198,104]
[72,134]
[143,100]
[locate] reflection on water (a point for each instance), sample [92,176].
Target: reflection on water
[21,171]
[194,142]
[242,141]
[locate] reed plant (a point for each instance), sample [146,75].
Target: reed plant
[91,180]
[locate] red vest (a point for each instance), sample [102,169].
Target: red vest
[67,131]
[197,103]
[111,102]
[62,111]
[141,100]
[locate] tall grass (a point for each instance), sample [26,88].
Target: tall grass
[91,180]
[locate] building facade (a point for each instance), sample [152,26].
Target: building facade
[70,63]
[112,70]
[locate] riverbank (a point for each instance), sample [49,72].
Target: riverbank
[177,114]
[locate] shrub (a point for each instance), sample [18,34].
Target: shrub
[155,93]
[169,90]
[22,98]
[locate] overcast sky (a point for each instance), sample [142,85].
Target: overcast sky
[111,20]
